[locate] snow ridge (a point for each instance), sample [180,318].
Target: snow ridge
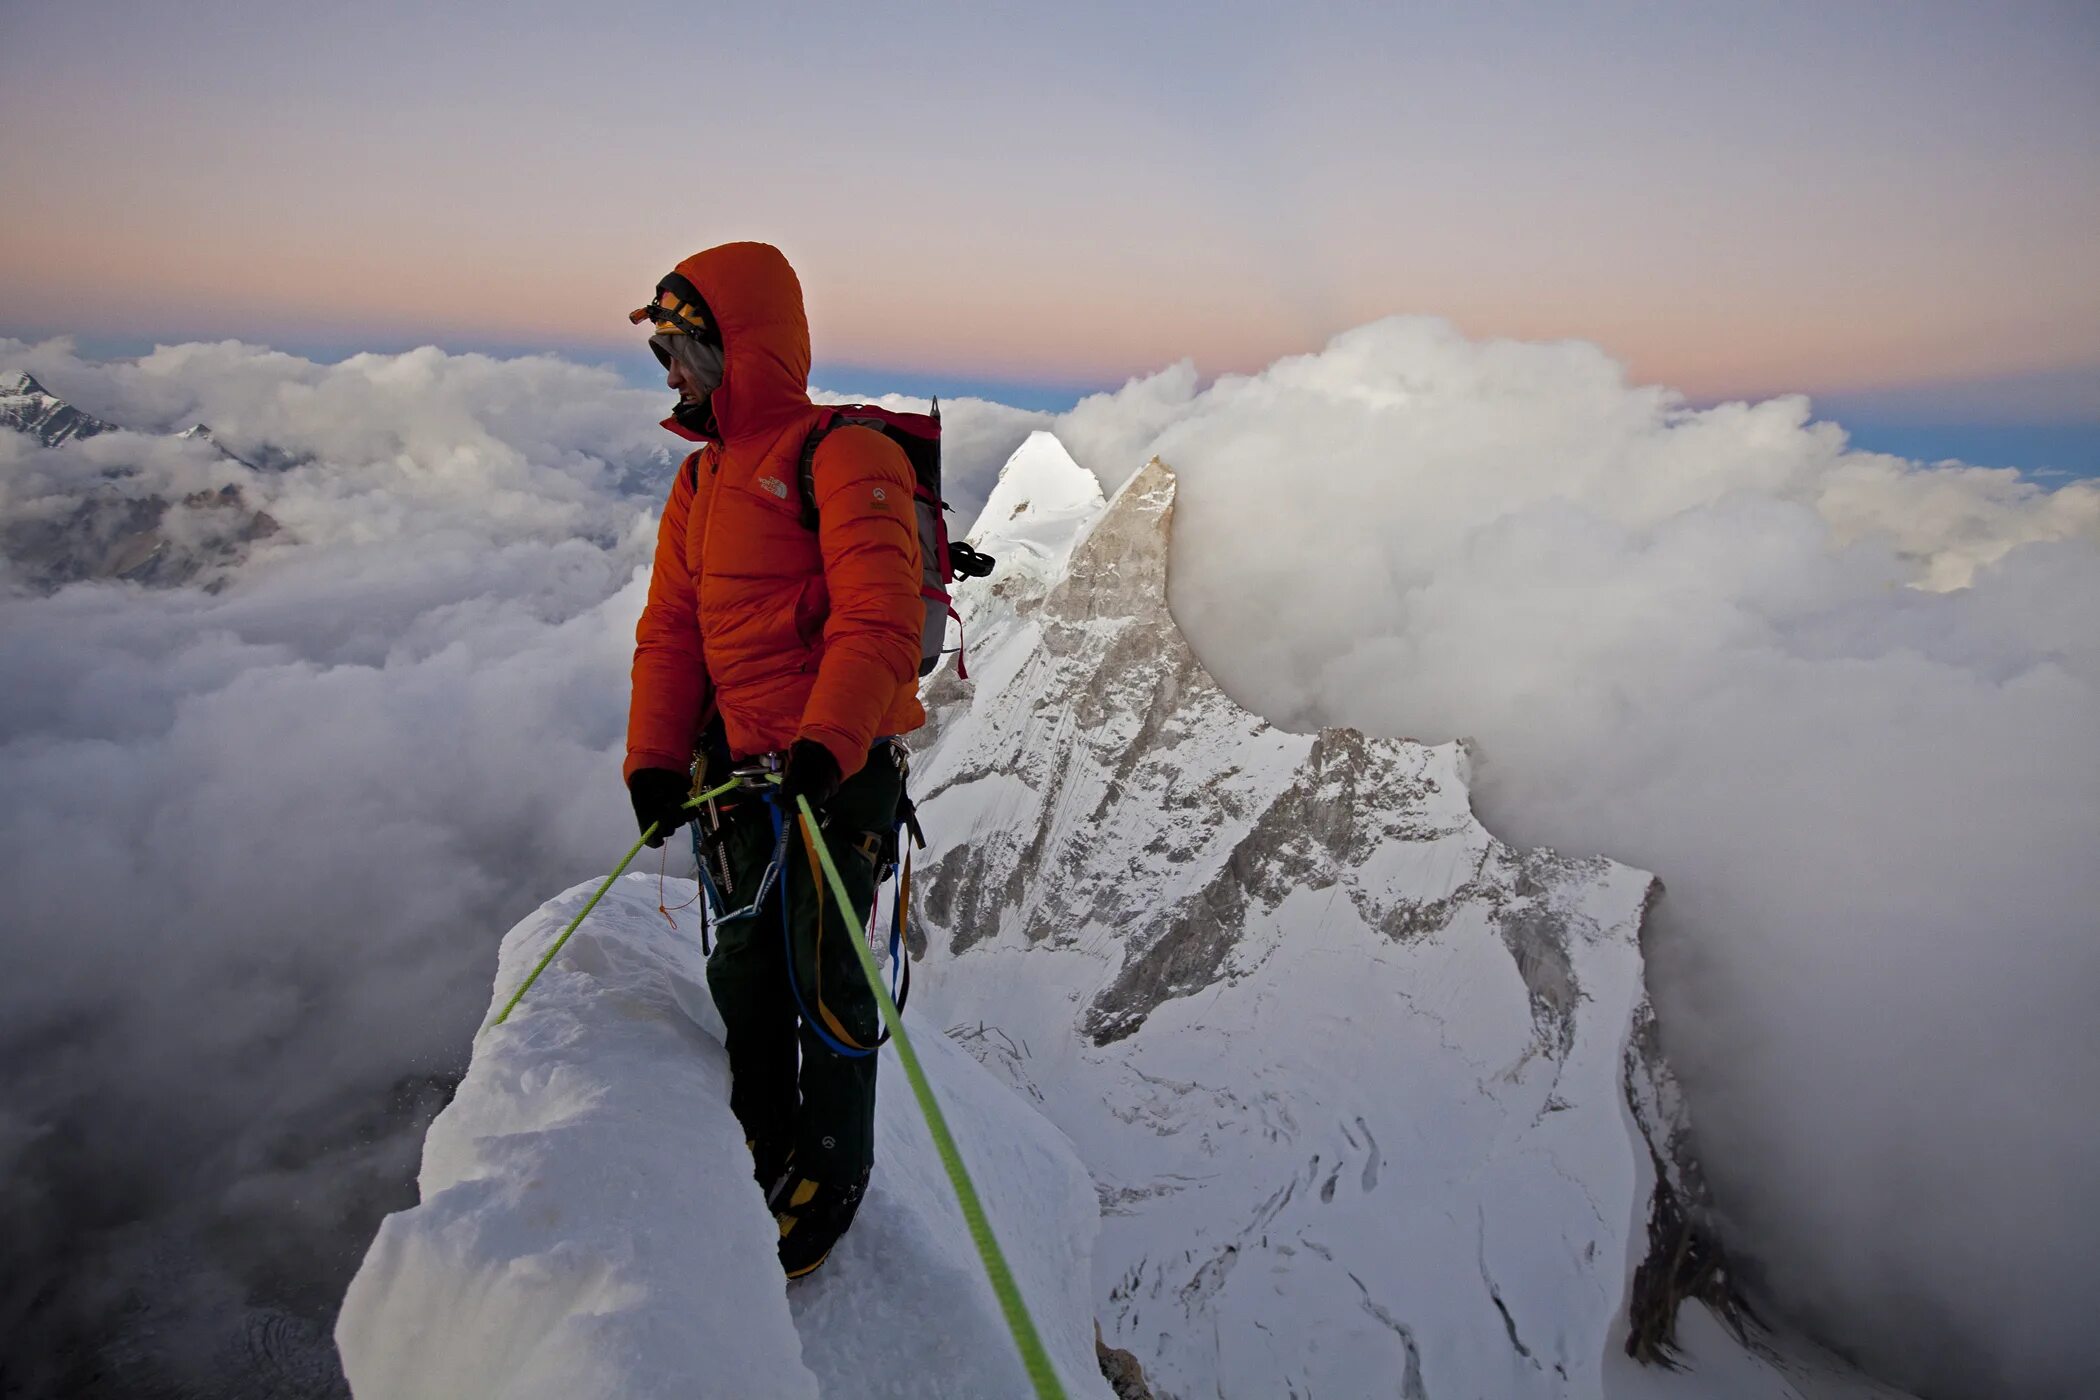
[589,1226]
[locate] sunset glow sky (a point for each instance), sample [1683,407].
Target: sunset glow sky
[1884,205]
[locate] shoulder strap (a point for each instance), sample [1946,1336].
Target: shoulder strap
[806,473]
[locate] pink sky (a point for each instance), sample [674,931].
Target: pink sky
[1823,198]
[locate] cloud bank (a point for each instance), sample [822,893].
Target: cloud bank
[1847,707]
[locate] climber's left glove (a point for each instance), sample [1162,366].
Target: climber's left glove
[659,802]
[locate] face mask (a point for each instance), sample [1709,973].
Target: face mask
[701,362]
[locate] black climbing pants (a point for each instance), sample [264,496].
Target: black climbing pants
[789,1087]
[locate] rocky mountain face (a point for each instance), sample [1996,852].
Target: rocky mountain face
[83,520]
[1372,1100]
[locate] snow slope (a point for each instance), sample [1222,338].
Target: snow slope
[1351,1075]
[589,1226]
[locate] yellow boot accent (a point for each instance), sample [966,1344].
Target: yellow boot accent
[810,1267]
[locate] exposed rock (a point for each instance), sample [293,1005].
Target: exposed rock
[1121,1370]
[1685,1258]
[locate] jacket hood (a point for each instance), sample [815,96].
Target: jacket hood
[756,301]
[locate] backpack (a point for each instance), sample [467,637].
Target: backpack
[944,560]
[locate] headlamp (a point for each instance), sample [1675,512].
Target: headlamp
[678,310]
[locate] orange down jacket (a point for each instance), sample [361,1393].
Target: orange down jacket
[788,633]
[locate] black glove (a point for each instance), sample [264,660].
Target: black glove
[811,772]
[659,796]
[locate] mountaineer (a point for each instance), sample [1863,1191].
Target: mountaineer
[790,654]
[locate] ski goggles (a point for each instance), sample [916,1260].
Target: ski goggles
[678,310]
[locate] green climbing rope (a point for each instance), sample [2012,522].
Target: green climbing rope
[625,861]
[1033,1357]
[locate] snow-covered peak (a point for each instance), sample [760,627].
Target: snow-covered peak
[28,407]
[201,432]
[1043,503]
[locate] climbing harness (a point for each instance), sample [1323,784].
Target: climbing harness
[761,776]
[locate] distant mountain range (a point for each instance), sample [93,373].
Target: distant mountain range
[115,524]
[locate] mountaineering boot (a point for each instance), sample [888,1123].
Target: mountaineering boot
[812,1216]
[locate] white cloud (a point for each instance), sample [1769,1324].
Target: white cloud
[1702,642]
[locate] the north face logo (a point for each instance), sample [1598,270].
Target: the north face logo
[775,485]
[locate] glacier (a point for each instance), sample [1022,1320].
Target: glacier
[1269,1059]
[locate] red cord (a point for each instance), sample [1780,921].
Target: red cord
[662,861]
